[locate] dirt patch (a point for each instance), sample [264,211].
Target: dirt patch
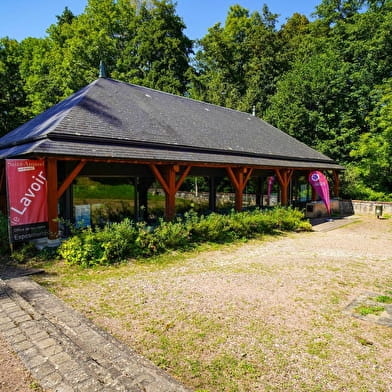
[262,316]
[13,375]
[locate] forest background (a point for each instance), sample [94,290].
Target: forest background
[327,82]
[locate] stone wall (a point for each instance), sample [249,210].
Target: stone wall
[342,207]
[368,207]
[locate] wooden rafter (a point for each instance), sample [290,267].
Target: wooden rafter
[159,177]
[239,177]
[233,178]
[182,177]
[284,178]
[167,177]
[167,174]
[68,181]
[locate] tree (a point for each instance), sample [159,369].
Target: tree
[325,99]
[155,51]
[139,42]
[237,64]
[333,11]
[48,67]
[12,95]
[373,151]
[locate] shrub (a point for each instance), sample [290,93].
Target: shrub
[171,235]
[213,228]
[4,242]
[119,241]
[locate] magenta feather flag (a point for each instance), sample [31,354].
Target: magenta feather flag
[271,180]
[320,185]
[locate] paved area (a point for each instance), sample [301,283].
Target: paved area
[369,299]
[64,351]
[325,224]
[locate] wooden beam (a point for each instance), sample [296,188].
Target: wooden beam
[239,177]
[149,162]
[167,178]
[284,178]
[336,183]
[3,190]
[51,173]
[170,205]
[247,178]
[68,181]
[2,179]
[233,178]
[159,177]
[182,177]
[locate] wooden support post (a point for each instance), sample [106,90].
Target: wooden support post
[143,185]
[239,177]
[336,183]
[284,178]
[3,191]
[168,180]
[259,192]
[212,193]
[2,179]
[51,173]
[170,202]
[136,199]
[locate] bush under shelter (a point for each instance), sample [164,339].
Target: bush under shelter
[115,129]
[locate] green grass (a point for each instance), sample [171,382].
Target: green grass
[385,299]
[365,310]
[89,189]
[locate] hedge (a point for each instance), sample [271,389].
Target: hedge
[117,242]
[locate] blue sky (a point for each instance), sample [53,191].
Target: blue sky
[30,18]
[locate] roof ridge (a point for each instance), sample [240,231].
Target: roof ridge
[183,97]
[218,107]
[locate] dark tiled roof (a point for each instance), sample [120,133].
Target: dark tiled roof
[113,119]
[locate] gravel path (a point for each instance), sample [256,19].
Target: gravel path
[262,316]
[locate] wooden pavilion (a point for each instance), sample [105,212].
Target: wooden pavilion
[116,129]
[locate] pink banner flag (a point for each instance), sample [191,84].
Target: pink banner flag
[320,185]
[26,190]
[271,180]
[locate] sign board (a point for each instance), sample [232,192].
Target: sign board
[82,215]
[27,199]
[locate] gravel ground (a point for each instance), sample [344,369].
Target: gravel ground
[260,316]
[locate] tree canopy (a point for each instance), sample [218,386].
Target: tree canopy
[325,81]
